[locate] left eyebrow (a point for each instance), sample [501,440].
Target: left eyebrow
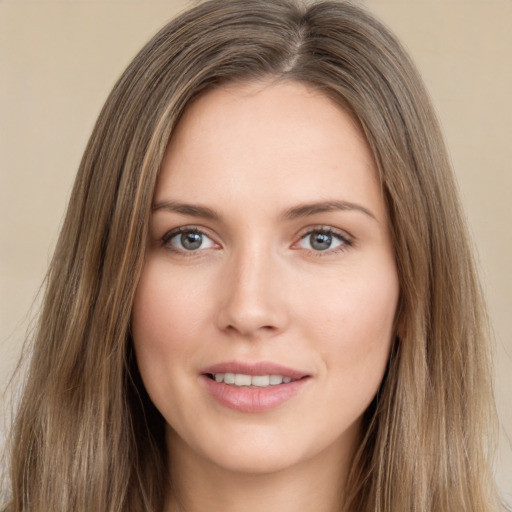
[306,209]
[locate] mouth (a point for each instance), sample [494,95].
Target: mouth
[253,387]
[250,381]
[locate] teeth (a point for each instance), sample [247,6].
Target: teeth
[260,381]
[229,378]
[275,379]
[242,380]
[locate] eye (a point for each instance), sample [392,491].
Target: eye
[187,240]
[322,240]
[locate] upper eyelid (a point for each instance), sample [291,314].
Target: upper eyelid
[304,230]
[325,228]
[165,240]
[299,236]
[170,234]
[189,227]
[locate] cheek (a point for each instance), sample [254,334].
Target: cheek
[354,306]
[167,314]
[167,305]
[353,325]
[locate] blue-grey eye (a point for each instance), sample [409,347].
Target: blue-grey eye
[321,241]
[190,241]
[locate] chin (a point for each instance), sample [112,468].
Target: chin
[255,460]
[264,449]
[245,450]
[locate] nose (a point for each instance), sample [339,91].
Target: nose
[253,298]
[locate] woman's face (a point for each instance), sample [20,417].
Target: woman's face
[264,315]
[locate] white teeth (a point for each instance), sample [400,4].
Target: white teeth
[275,379]
[229,378]
[260,381]
[242,380]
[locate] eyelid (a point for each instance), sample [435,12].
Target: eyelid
[347,238]
[191,228]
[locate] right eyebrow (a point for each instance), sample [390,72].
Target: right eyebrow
[192,210]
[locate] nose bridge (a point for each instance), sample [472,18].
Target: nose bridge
[253,301]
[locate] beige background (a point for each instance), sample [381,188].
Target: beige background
[59,59]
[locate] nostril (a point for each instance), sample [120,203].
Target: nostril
[261,315]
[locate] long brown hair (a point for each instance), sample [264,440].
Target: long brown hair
[88,439]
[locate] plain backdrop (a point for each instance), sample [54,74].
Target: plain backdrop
[59,60]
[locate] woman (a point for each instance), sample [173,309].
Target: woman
[263,293]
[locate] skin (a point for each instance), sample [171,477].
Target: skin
[257,288]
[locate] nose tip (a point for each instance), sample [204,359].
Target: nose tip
[253,302]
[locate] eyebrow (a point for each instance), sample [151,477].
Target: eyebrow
[306,209]
[296,212]
[192,210]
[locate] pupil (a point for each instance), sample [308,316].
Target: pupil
[321,241]
[191,241]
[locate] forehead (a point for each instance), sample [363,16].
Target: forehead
[255,138]
[286,109]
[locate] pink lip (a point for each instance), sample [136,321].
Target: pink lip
[253,400]
[258,368]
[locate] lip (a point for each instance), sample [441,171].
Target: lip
[253,400]
[256,368]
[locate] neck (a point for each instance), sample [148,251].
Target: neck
[199,484]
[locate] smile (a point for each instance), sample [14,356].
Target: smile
[257,381]
[253,387]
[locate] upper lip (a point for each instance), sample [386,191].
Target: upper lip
[256,368]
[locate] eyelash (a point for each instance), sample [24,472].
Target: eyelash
[346,240]
[181,230]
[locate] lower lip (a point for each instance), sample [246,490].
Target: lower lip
[245,399]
